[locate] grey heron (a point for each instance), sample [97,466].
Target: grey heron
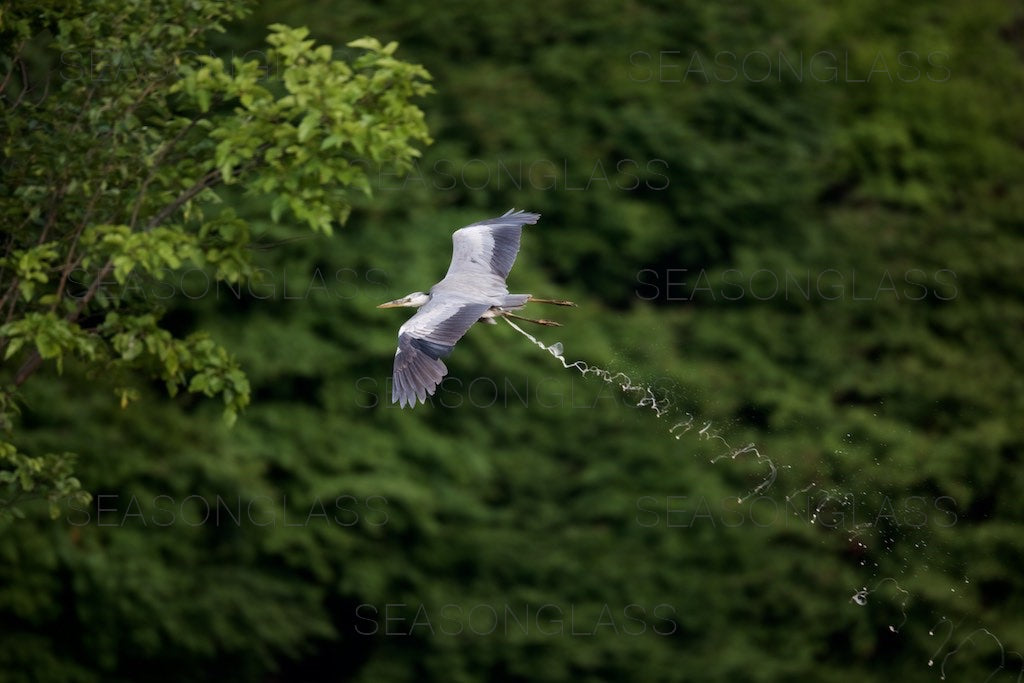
[472,290]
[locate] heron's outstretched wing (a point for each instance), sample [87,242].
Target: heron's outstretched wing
[423,340]
[489,246]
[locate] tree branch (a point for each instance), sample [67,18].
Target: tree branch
[207,181]
[33,361]
[15,59]
[211,178]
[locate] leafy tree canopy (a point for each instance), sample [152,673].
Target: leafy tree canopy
[118,139]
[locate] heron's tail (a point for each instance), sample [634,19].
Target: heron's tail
[513,301]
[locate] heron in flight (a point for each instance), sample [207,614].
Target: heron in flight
[473,290]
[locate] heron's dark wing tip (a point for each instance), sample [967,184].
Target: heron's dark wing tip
[511,218]
[416,373]
[527,217]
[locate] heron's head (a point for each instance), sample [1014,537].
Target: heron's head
[413,300]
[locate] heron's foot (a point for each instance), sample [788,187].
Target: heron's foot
[556,302]
[546,323]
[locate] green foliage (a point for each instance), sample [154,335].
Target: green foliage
[46,477]
[311,137]
[113,169]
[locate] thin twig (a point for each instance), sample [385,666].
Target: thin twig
[156,164]
[207,181]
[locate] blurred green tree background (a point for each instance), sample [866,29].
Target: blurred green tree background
[799,224]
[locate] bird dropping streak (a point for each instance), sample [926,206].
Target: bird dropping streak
[646,398]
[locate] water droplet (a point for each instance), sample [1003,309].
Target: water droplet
[860,597]
[893,628]
[931,663]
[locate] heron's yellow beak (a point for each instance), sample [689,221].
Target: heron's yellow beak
[392,304]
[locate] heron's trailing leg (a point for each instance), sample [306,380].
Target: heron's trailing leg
[556,302]
[546,323]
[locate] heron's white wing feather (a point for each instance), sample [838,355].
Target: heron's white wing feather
[489,246]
